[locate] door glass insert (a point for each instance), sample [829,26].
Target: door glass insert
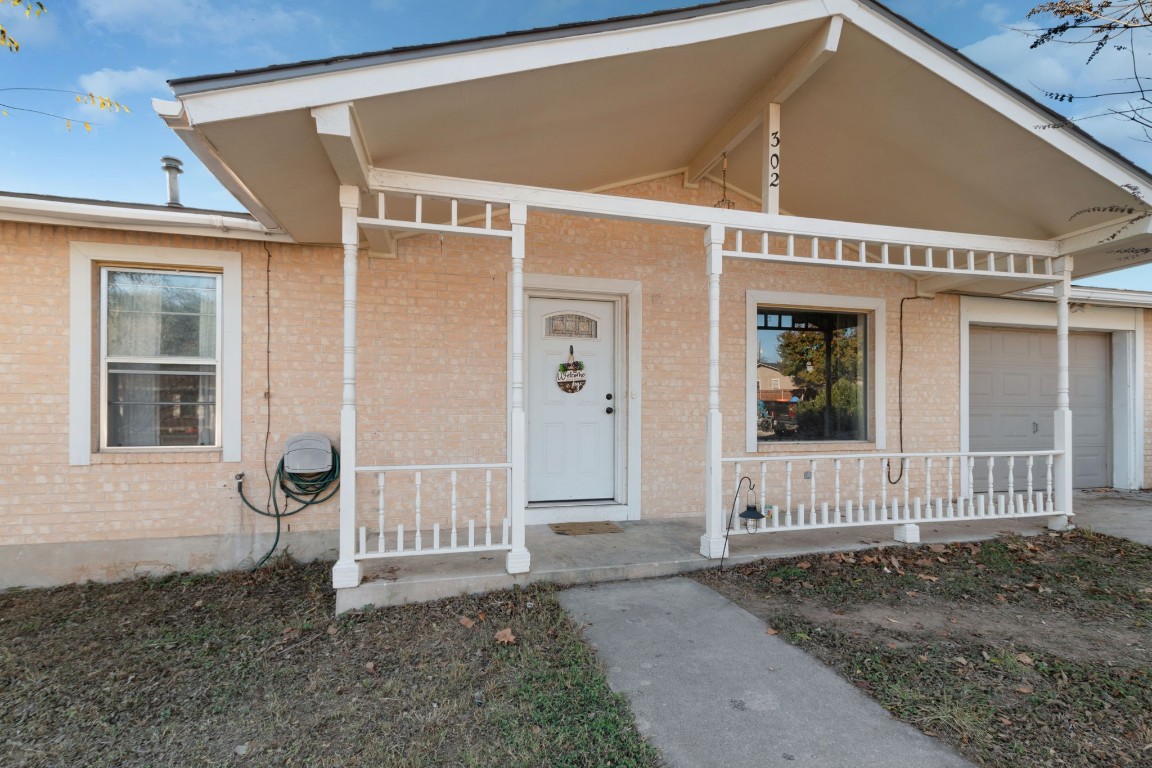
[570,326]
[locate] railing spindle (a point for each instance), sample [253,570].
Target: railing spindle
[417,543]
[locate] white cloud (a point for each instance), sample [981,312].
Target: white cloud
[994,13]
[116,83]
[30,31]
[172,22]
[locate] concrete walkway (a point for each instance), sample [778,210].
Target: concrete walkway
[1126,514]
[709,686]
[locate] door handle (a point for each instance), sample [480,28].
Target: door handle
[609,409]
[1035,427]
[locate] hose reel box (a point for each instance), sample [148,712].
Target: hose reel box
[307,453]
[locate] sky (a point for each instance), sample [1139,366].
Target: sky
[128,49]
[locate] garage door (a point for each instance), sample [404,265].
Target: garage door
[1012,394]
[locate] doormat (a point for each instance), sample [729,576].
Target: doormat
[583,529]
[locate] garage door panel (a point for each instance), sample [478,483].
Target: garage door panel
[1012,397]
[980,383]
[1016,384]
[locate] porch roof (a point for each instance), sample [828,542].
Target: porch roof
[893,128]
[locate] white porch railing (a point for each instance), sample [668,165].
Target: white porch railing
[847,490]
[428,509]
[940,255]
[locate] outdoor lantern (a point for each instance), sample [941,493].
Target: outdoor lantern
[751,514]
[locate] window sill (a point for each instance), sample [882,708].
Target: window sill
[159,456]
[816,446]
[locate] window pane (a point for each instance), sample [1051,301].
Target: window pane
[161,315]
[811,375]
[161,405]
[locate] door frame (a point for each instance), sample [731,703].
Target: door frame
[1126,327]
[627,299]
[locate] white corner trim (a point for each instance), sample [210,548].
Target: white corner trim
[82,258]
[875,308]
[629,296]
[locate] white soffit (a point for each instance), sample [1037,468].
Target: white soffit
[891,130]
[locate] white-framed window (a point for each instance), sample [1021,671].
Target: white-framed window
[159,353]
[154,351]
[830,350]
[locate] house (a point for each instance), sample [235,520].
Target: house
[524,279]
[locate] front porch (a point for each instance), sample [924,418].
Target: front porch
[654,548]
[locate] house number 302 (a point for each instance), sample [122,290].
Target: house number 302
[774,159]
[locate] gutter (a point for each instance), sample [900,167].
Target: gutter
[1101,297]
[78,214]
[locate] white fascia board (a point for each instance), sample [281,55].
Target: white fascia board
[989,91]
[1108,297]
[176,116]
[1111,233]
[305,92]
[78,214]
[636,209]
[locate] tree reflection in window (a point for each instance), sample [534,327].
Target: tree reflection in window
[820,359]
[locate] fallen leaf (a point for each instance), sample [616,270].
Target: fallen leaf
[1002,598]
[1023,689]
[505,636]
[804,565]
[937,548]
[985,655]
[926,577]
[332,629]
[1006,721]
[922,657]
[961,661]
[777,580]
[371,667]
[467,622]
[924,562]
[911,593]
[892,646]
[1025,659]
[198,603]
[892,620]
[773,631]
[481,616]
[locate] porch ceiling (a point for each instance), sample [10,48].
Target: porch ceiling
[877,135]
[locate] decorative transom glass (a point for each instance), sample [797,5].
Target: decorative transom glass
[570,326]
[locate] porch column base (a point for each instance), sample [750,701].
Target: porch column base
[519,562]
[713,547]
[347,574]
[1060,523]
[907,533]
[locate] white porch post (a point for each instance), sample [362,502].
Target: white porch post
[712,543]
[348,571]
[519,560]
[1063,416]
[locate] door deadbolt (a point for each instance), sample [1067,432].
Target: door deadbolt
[608,396]
[609,409]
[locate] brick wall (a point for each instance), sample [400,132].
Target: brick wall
[431,369]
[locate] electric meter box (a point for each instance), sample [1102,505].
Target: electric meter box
[307,453]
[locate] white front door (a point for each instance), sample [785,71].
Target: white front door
[570,374]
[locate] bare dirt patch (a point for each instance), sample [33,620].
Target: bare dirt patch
[252,669]
[1020,652]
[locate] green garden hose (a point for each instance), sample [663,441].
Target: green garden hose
[304,489]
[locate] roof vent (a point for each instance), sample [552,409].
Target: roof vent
[171,166]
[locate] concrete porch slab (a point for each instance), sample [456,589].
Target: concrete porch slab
[645,549]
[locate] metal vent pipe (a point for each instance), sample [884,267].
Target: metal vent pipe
[171,166]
